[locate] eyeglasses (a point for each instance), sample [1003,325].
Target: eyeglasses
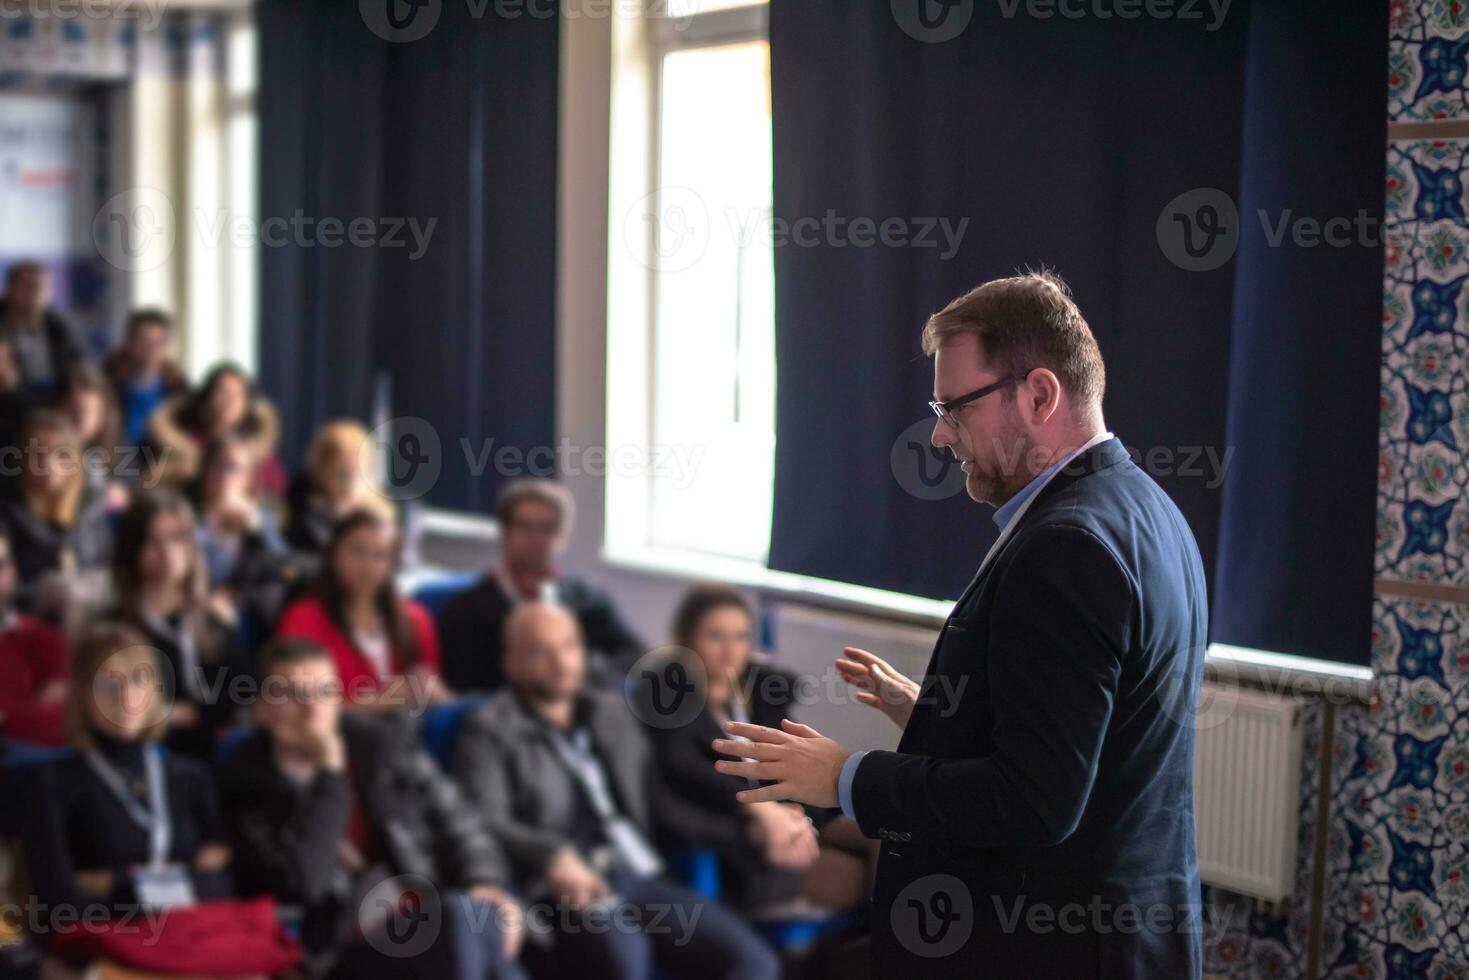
[946,410]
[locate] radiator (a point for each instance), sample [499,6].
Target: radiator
[1247,751]
[1247,782]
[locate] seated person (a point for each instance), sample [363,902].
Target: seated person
[88,401]
[385,647]
[57,520]
[323,807]
[535,521]
[565,779]
[34,661]
[773,859]
[340,476]
[142,374]
[246,561]
[93,830]
[158,577]
[45,347]
[227,402]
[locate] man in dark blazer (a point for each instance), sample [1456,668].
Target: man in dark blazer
[1037,817]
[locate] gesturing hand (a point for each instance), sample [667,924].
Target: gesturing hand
[878,684]
[803,764]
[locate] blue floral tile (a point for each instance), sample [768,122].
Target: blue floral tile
[1428,60]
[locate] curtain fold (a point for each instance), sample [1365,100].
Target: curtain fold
[451,141]
[1062,143]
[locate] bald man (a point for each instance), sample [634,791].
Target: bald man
[564,778]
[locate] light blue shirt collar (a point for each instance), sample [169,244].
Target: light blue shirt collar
[1005,513]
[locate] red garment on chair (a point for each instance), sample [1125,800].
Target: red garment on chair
[219,939]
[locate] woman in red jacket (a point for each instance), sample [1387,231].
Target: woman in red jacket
[385,647]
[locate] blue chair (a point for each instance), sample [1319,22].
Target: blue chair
[435,593]
[232,740]
[699,870]
[441,725]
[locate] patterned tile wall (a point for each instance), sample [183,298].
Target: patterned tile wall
[1397,855]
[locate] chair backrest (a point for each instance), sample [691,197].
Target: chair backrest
[441,726]
[435,593]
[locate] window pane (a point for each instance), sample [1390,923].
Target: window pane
[714,337]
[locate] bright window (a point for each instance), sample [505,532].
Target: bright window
[701,229]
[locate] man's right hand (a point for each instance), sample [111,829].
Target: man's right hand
[878,684]
[572,880]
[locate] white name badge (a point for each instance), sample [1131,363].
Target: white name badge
[164,887]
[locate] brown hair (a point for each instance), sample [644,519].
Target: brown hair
[131,538]
[538,488]
[699,602]
[1026,322]
[283,652]
[89,379]
[62,510]
[97,646]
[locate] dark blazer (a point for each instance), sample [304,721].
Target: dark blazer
[714,818]
[472,626]
[287,836]
[1046,776]
[506,762]
[64,348]
[39,546]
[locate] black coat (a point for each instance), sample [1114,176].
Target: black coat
[472,627]
[287,836]
[1045,780]
[685,757]
[222,667]
[40,547]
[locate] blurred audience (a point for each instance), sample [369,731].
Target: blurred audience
[161,590]
[772,858]
[226,403]
[535,518]
[57,520]
[34,662]
[142,373]
[565,778]
[325,809]
[246,561]
[385,647]
[88,400]
[44,346]
[340,476]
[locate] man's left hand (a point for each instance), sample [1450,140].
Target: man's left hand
[803,764]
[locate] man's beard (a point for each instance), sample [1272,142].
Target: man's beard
[1006,473]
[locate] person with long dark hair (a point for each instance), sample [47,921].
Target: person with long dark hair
[89,401]
[161,589]
[385,646]
[227,402]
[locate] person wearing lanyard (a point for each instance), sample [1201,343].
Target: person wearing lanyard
[1047,759]
[121,823]
[565,779]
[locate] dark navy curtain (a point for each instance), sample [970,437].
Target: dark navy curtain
[1085,145]
[451,322]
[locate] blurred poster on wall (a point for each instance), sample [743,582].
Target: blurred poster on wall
[49,176]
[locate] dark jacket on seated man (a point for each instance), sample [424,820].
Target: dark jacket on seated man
[472,627]
[685,755]
[41,546]
[392,805]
